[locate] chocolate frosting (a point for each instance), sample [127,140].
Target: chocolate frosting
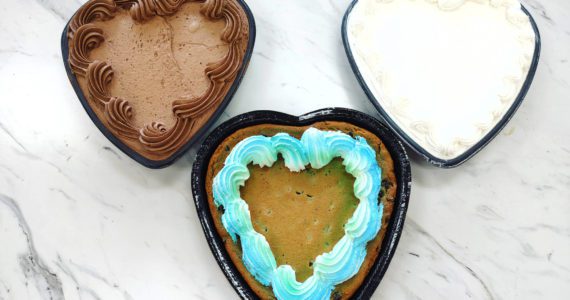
[119,114]
[99,75]
[142,10]
[155,138]
[86,38]
[93,10]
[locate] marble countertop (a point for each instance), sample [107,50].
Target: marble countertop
[81,220]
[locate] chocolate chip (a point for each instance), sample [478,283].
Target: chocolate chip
[386,184]
[336,295]
[228,148]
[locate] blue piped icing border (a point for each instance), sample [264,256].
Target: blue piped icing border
[317,148]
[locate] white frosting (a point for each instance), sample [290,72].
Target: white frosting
[446,71]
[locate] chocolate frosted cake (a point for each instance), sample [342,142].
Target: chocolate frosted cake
[302,211]
[155,71]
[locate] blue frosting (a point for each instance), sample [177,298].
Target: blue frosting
[316,148]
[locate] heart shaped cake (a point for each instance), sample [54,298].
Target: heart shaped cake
[447,75]
[153,74]
[303,211]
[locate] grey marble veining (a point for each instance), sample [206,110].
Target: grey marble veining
[80,220]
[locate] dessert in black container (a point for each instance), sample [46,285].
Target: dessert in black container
[208,214]
[390,115]
[172,69]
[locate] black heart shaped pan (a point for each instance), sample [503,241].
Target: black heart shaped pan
[446,76]
[312,201]
[154,75]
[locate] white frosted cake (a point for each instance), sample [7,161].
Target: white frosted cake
[445,71]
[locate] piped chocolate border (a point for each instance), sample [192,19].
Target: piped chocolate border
[401,166]
[155,164]
[438,162]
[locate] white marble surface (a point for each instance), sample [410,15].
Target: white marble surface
[80,220]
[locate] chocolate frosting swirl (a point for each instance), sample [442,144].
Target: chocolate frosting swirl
[142,10]
[85,39]
[233,27]
[213,9]
[91,11]
[119,114]
[99,76]
[155,137]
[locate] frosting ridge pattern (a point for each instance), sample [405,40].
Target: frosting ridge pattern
[316,148]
